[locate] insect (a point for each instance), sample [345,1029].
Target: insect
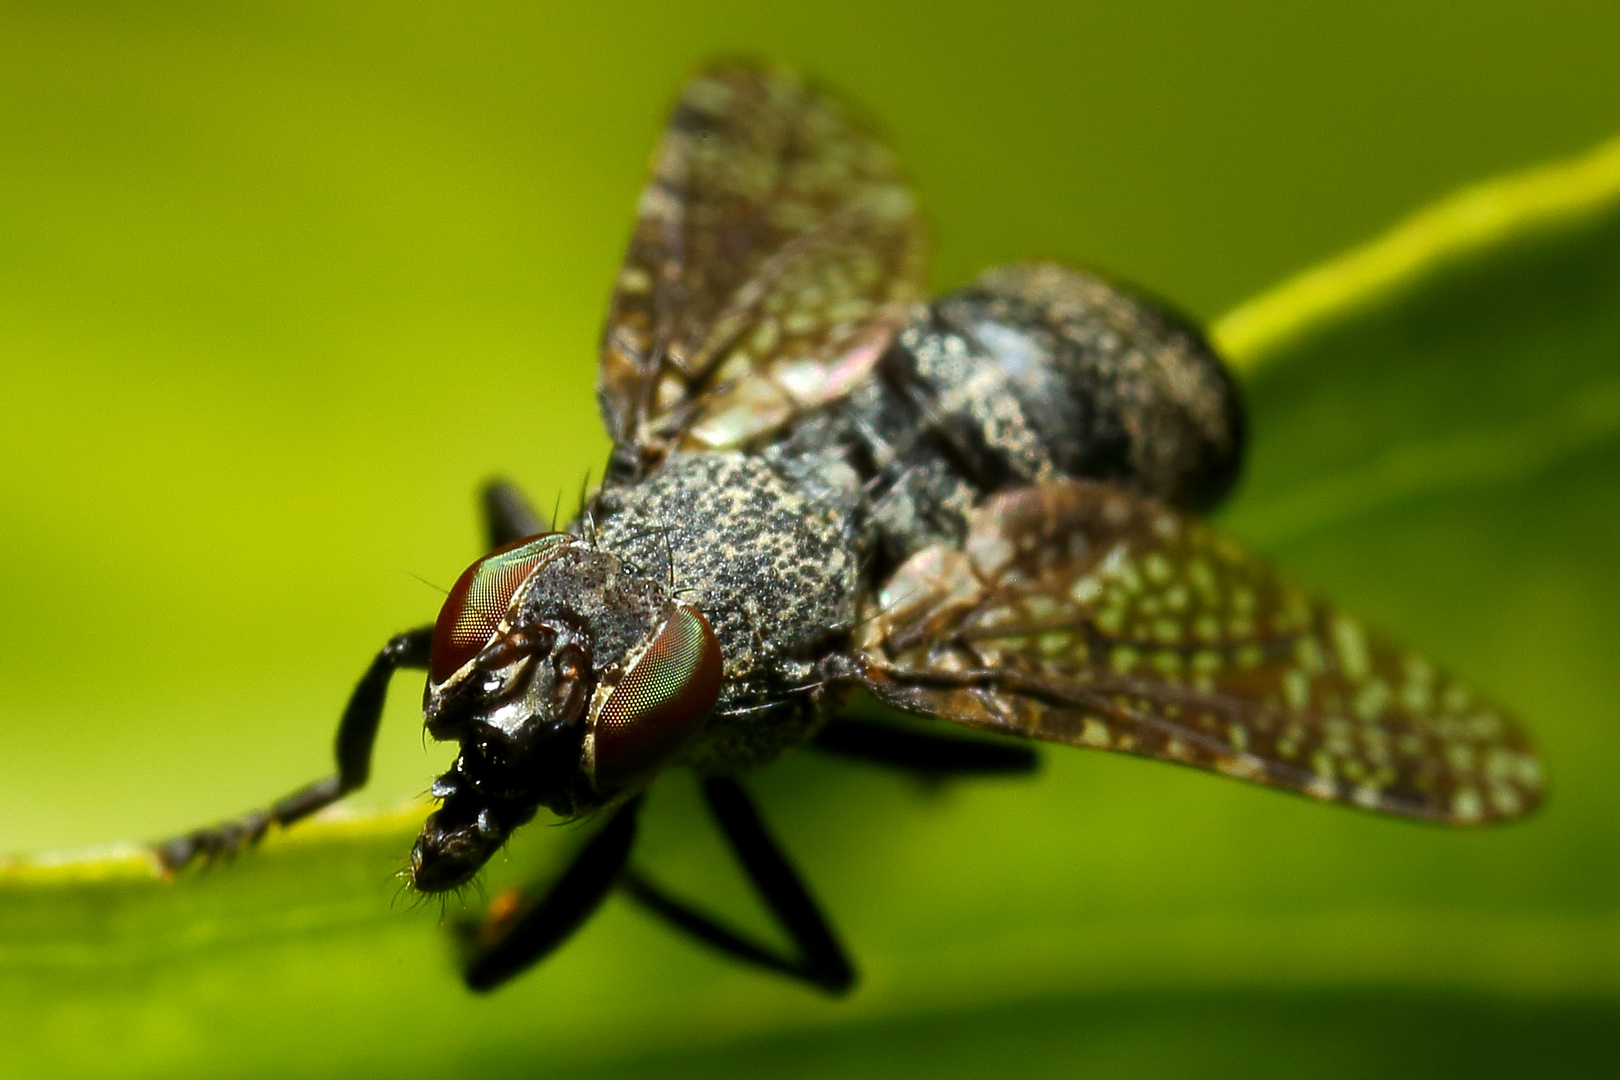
[980,509]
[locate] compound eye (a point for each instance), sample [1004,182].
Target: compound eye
[480,599]
[659,702]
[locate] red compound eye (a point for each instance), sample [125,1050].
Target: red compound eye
[479,600]
[659,701]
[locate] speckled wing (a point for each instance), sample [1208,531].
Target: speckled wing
[776,252]
[1082,614]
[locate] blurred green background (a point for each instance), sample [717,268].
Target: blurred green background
[280,284]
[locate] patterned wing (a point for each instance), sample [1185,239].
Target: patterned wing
[1083,614]
[776,251]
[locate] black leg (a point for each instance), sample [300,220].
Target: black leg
[508,515]
[356,734]
[821,961]
[518,930]
[935,756]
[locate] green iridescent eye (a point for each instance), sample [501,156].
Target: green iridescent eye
[480,598]
[659,702]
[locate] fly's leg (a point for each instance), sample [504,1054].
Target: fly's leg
[508,515]
[932,756]
[821,960]
[356,734]
[519,928]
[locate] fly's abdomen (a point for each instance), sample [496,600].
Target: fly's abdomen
[1116,387]
[1033,373]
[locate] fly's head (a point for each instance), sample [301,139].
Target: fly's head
[568,683]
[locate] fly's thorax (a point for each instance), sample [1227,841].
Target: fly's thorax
[766,552]
[765,546]
[567,680]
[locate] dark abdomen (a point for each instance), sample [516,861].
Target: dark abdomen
[1031,373]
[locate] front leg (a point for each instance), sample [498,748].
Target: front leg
[356,735]
[820,960]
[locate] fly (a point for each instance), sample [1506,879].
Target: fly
[980,509]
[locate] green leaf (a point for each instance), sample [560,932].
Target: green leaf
[1436,443]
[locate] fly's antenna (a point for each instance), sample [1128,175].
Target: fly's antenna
[556,510]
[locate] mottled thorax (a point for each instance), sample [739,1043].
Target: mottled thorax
[765,549]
